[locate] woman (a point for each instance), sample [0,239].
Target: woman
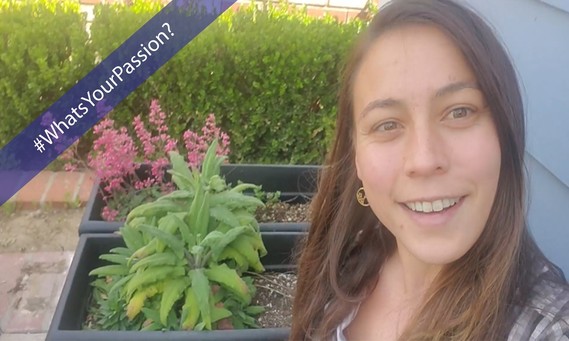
[418,228]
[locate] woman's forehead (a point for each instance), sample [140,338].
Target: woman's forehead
[409,61]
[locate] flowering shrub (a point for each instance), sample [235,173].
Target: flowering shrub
[197,144]
[116,156]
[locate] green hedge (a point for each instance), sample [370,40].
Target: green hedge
[270,76]
[43,52]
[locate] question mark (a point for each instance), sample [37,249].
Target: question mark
[168,27]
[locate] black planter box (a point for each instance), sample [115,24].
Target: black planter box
[297,184]
[71,309]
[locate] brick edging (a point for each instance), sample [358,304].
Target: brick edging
[55,190]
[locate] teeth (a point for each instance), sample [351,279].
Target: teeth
[418,207]
[437,205]
[434,206]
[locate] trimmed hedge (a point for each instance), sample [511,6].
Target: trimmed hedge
[43,52]
[270,76]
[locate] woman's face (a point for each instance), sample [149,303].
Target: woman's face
[427,150]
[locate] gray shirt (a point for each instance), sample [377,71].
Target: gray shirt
[545,317]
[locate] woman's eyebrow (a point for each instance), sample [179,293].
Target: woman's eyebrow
[380,104]
[454,87]
[391,102]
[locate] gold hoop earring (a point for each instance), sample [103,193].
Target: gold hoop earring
[361,197]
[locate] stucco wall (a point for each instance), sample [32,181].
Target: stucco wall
[536,34]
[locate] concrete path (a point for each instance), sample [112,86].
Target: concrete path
[30,286]
[30,283]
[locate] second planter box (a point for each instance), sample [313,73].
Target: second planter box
[297,184]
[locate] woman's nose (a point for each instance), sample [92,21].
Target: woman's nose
[425,153]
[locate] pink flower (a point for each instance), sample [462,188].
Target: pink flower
[197,145]
[109,214]
[115,155]
[144,136]
[113,152]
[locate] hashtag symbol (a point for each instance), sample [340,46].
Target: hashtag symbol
[39,145]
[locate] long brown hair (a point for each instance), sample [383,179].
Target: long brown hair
[472,298]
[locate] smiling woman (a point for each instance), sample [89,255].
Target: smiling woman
[418,228]
[432,142]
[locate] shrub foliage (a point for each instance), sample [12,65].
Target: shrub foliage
[270,75]
[43,53]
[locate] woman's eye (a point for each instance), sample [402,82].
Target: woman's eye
[459,113]
[387,126]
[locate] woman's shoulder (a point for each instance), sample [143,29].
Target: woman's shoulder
[545,315]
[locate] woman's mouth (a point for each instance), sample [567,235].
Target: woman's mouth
[436,212]
[432,206]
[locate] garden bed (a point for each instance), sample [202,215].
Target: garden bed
[296,184]
[71,311]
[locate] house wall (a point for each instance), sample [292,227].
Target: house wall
[535,33]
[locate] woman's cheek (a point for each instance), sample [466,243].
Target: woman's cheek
[379,168]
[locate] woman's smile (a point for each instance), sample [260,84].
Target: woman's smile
[432,213]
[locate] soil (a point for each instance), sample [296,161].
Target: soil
[275,293]
[283,212]
[39,230]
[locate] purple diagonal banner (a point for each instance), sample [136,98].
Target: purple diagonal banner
[102,89]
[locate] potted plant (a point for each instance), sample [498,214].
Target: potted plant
[179,264]
[295,183]
[131,171]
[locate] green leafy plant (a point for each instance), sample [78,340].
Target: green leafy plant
[184,257]
[45,51]
[274,92]
[268,198]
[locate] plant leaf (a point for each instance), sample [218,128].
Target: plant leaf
[151,275]
[175,244]
[181,194]
[230,280]
[219,314]
[190,310]
[109,270]
[193,214]
[187,237]
[132,237]
[235,200]
[135,304]
[155,209]
[119,284]
[203,215]
[155,260]
[121,251]
[208,166]
[201,287]
[181,174]
[153,315]
[172,291]
[224,215]
[246,247]
[254,310]
[114,258]
[219,241]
